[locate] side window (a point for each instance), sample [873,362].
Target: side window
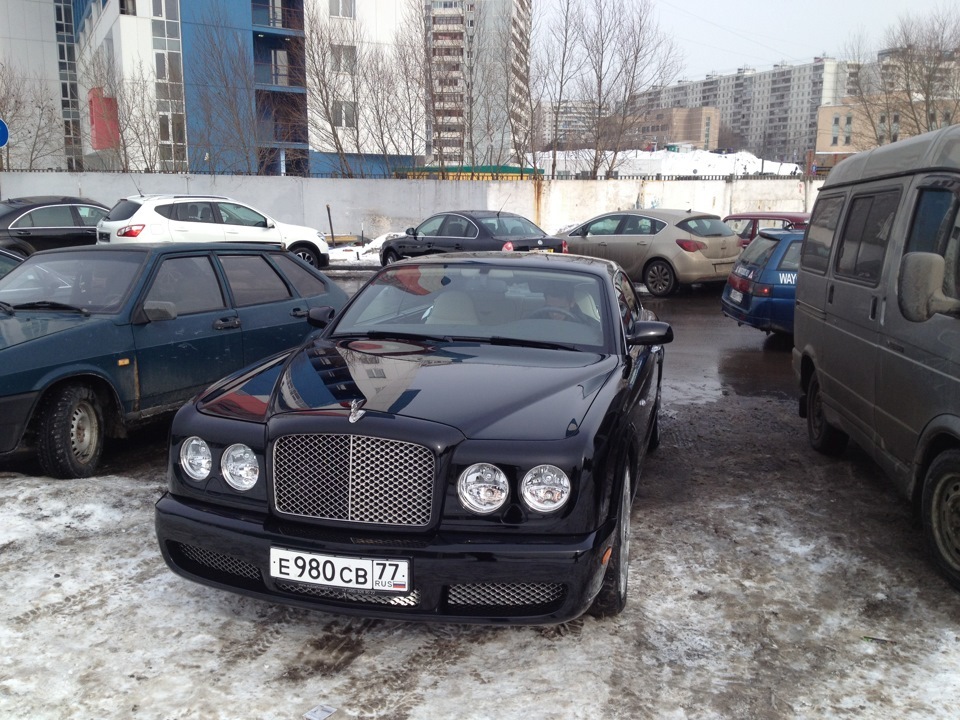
[636,225]
[456,226]
[195,212]
[936,229]
[604,226]
[863,243]
[234,214]
[628,301]
[168,211]
[305,283]
[252,280]
[431,226]
[57,216]
[90,215]
[188,282]
[815,254]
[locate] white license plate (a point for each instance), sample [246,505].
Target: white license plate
[346,573]
[736,296]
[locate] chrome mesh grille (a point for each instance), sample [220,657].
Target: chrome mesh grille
[505,594]
[353,478]
[219,561]
[411,600]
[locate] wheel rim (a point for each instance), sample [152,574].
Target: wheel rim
[815,412]
[307,256]
[84,432]
[658,279]
[948,520]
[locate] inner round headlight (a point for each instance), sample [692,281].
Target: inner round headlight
[545,488]
[195,458]
[240,467]
[483,488]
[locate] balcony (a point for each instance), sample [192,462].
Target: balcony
[279,75]
[277,17]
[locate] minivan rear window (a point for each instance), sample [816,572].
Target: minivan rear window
[819,241]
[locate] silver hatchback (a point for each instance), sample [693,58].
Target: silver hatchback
[661,248]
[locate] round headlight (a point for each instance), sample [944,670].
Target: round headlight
[483,488]
[195,458]
[545,488]
[240,467]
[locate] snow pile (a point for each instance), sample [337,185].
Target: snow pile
[669,163]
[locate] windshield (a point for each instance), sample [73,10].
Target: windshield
[89,280]
[510,225]
[706,226]
[758,251]
[483,303]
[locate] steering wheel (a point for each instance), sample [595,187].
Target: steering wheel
[548,309]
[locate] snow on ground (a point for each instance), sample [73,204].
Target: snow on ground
[668,163]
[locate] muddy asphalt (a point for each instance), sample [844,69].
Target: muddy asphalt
[766,582]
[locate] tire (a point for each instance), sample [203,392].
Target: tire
[941,513]
[823,437]
[307,254]
[660,279]
[70,432]
[390,257]
[612,598]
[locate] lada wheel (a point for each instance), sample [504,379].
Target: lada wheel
[70,432]
[612,597]
[660,278]
[823,436]
[941,513]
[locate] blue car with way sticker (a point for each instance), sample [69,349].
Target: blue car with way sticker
[761,288]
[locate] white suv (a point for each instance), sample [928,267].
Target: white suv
[148,218]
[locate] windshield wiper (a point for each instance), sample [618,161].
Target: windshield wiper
[6,307]
[521,342]
[389,335]
[50,305]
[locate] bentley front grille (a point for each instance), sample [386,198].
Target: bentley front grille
[218,561]
[505,594]
[411,600]
[353,478]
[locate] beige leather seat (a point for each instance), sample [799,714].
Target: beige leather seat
[453,307]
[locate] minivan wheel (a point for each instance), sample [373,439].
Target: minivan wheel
[941,513]
[823,436]
[660,278]
[612,598]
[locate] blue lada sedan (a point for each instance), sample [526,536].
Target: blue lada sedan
[94,340]
[761,289]
[462,443]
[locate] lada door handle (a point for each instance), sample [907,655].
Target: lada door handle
[298,312]
[226,323]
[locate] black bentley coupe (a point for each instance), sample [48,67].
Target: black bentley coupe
[461,443]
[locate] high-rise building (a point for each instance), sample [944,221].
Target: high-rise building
[772,113]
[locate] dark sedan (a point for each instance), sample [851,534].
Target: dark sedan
[470,231]
[44,222]
[463,443]
[95,340]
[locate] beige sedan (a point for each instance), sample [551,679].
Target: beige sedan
[661,248]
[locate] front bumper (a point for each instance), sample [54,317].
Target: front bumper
[455,577]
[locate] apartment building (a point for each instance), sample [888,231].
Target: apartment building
[772,114]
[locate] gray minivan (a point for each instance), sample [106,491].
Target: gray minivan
[877,323]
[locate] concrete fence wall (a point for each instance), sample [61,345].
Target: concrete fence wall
[373,207]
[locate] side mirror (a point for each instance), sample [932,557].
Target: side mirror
[921,287]
[271,223]
[321,316]
[650,332]
[412,232]
[157,310]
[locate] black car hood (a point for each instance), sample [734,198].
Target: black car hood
[485,391]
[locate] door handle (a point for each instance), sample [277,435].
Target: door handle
[226,323]
[298,313]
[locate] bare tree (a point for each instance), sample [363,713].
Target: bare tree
[32,117]
[227,131]
[411,61]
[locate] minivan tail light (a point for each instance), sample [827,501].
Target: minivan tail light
[130,230]
[692,245]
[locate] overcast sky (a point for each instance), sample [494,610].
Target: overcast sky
[723,35]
